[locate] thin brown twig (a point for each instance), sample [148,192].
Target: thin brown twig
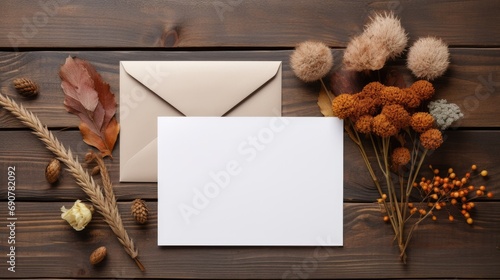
[83,179]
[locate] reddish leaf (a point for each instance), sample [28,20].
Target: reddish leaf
[106,97]
[90,98]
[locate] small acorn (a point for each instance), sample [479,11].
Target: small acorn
[98,255]
[26,87]
[53,171]
[139,211]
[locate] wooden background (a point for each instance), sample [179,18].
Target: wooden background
[36,37]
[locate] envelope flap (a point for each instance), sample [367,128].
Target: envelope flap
[202,88]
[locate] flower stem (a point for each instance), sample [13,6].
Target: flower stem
[326,90]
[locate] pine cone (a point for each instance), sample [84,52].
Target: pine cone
[26,87]
[139,211]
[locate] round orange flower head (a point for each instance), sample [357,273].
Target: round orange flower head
[382,127]
[363,106]
[400,156]
[431,139]
[410,98]
[372,90]
[421,121]
[364,124]
[397,115]
[311,61]
[343,106]
[391,95]
[423,89]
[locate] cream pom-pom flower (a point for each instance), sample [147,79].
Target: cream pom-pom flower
[362,53]
[387,29]
[311,61]
[428,58]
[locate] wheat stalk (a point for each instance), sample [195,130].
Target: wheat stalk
[107,208]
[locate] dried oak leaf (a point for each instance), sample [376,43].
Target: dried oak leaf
[90,98]
[325,104]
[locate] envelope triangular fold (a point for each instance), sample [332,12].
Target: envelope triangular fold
[209,89]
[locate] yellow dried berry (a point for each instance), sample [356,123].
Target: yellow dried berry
[484,173]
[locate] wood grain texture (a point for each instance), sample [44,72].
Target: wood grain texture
[23,150]
[472,81]
[64,23]
[46,246]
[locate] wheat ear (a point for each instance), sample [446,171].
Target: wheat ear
[83,179]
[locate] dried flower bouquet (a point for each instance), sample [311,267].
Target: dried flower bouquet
[392,120]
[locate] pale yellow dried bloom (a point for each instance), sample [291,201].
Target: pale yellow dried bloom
[311,61]
[78,216]
[428,58]
[362,53]
[386,28]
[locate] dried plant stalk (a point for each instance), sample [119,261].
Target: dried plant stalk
[107,208]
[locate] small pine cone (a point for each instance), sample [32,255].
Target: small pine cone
[26,87]
[139,211]
[53,171]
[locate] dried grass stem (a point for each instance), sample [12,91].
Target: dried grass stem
[106,206]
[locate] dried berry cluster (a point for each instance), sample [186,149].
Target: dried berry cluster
[439,193]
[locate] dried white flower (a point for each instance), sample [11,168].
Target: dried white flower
[362,53]
[386,28]
[444,113]
[428,58]
[311,61]
[78,216]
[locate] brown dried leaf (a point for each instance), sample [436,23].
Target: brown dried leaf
[90,98]
[325,104]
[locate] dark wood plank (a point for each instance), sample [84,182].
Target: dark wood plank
[63,23]
[23,150]
[47,247]
[472,81]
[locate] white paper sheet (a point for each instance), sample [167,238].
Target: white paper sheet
[250,181]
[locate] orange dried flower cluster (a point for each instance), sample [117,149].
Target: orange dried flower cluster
[450,190]
[400,156]
[384,110]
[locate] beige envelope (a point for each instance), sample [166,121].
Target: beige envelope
[149,89]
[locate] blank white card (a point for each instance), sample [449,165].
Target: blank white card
[250,181]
